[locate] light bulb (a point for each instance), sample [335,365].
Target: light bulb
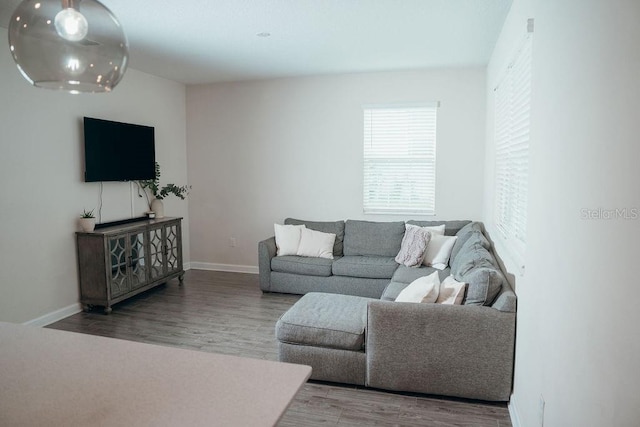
[71,25]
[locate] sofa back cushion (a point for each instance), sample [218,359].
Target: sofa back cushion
[335,227]
[476,248]
[451,228]
[483,285]
[373,238]
[475,265]
[473,258]
[464,234]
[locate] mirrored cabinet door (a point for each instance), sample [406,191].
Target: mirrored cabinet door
[174,248]
[156,253]
[119,280]
[138,272]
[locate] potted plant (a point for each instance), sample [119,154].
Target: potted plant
[87,221]
[159,193]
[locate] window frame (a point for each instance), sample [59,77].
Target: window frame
[417,144]
[512,137]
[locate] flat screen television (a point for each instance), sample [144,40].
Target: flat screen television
[115,151]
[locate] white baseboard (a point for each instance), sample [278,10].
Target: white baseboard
[513,412]
[195,265]
[54,316]
[60,314]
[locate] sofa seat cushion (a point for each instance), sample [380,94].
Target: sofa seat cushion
[392,291]
[302,265]
[373,267]
[407,275]
[325,320]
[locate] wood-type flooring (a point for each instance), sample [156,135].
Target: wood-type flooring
[227,313]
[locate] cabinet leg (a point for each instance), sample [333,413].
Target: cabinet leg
[107,310]
[86,307]
[181,279]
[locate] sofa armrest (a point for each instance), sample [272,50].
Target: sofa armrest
[266,251]
[462,351]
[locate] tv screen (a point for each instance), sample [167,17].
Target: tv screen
[116,151]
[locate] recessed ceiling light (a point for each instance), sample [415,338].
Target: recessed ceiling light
[265,34]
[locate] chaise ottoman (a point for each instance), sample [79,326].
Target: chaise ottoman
[327,332]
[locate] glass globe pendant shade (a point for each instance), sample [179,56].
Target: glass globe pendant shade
[71,45]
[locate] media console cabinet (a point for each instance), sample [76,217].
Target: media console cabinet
[120,261]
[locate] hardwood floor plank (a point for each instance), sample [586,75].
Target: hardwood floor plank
[226,313]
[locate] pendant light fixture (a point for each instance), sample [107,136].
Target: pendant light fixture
[71,45]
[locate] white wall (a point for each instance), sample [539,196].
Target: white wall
[262,151]
[43,193]
[577,342]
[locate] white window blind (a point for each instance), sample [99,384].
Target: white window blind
[400,159]
[512,112]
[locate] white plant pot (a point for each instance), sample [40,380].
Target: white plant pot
[158,207]
[87,224]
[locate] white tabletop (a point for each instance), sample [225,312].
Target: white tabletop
[57,378]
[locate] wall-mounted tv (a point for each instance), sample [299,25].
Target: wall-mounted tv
[115,151]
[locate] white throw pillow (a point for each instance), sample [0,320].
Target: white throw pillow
[436,229]
[414,245]
[451,291]
[439,251]
[287,239]
[423,289]
[316,244]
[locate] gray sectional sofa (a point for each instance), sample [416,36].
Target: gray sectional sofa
[348,327]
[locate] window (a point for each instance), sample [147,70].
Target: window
[512,111]
[400,159]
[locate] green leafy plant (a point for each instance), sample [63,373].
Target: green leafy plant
[153,185]
[87,214]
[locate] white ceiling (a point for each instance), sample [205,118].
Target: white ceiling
[204,41]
